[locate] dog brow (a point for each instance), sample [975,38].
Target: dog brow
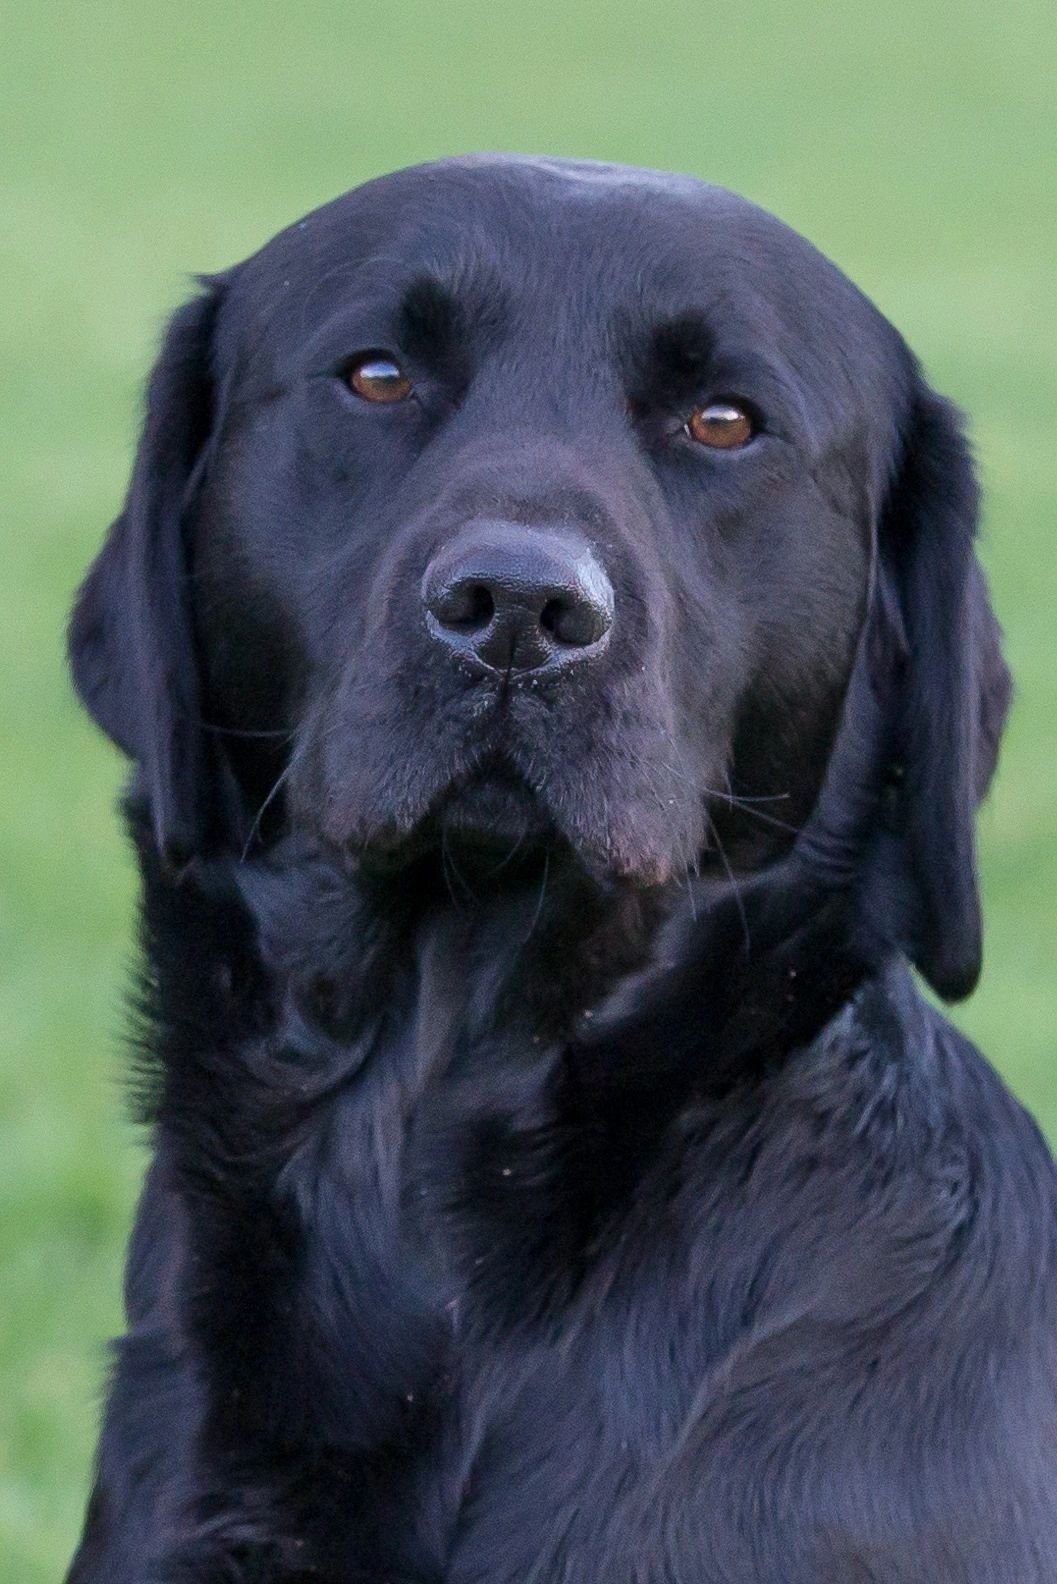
[443,302]
[431,317]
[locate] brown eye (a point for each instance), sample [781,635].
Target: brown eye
[722,425]
[378,379]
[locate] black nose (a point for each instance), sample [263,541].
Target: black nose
[518,598]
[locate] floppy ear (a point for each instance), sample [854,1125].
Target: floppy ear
[954,691]
[131,641]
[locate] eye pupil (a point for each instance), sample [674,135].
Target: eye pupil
[379,379]
[722,425]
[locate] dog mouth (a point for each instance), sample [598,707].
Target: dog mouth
[488,784]
[493,809]
[486,819]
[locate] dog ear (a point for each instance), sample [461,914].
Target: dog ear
[953,694]
[131,640]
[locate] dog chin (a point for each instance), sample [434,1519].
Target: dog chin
[492,824]
[496,811]
[487,822]
[493,815]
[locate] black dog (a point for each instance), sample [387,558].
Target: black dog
[546,626]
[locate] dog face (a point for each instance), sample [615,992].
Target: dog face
[513,501]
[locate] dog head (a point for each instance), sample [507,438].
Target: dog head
[506,502]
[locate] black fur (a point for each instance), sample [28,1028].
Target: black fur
[557,1174]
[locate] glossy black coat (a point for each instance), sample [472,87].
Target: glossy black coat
[557,1173]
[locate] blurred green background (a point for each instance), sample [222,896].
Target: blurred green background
[915,142]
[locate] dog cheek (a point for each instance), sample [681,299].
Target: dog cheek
[628,795]
[786,723]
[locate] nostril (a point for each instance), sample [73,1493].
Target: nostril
[561,620]
[577,623]
[465,606]
[518,598]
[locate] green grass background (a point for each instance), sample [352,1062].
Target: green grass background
[916,142]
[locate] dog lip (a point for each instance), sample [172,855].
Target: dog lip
[492,810]
[493,807]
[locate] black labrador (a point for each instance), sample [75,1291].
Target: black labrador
[546,628]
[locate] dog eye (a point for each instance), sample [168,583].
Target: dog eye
[723,425]
[377,378]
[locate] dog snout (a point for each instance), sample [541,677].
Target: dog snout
[519,599]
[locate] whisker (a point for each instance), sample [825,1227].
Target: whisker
[284,734]
[744,802]
[758,814]
[740,798]
[539,899]
[255,827]
[451,870]
[690,891]
[724,860]
[444,865]
[515,849]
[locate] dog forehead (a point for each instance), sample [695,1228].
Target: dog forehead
[509,196]
[625,231]
[584,256]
